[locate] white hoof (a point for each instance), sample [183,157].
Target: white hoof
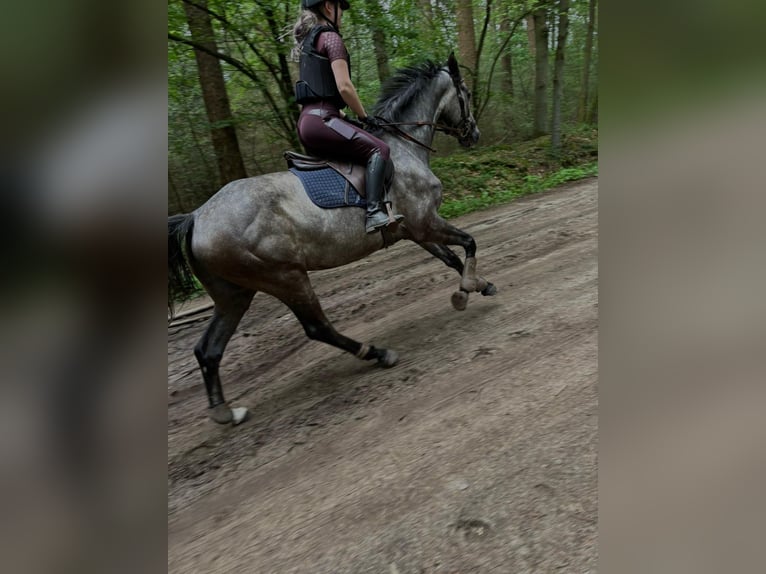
[390,359]
[238,414]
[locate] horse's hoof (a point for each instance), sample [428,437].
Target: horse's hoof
[489,290]
[238,414]
[481,284]
[221,414]
[389,359]
[460,300]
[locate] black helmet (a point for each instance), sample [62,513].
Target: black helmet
[308,4]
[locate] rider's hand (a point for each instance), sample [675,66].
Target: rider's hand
[372,123]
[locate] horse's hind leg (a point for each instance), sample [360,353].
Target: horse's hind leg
[296,292]
[231,302]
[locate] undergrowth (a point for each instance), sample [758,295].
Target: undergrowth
[493,175]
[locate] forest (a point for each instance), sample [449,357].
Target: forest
[531,65]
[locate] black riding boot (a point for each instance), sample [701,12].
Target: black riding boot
[377,167]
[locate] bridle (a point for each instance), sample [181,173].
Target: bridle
[465,127]
[461,132]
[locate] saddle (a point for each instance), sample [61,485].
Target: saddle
[354,174]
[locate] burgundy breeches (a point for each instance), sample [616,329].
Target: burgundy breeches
[325,134]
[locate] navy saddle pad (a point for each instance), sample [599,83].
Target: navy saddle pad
[327,188]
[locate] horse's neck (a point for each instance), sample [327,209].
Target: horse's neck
[428,108]
[402,148]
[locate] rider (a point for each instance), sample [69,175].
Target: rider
[324,89]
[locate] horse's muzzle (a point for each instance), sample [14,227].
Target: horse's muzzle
[471,139]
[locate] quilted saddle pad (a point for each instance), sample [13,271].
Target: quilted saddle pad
[329,189]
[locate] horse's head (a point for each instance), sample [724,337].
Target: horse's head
[458,115]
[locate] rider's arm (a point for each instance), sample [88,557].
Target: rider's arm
[346,87]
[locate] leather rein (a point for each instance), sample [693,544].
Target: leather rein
[459,132]
[401,133]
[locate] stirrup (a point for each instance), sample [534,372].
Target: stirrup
[375,221]
[393,220]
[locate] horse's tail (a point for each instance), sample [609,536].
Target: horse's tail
[181,283]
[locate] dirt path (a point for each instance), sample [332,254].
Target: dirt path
[476,453]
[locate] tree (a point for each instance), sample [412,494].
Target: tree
[479,103]
[257,49]
[507,29]
[541,70]
[582,106]
[425,7]
[531,33]
[558,75]
[223,133]
[466,37]
[375,17]
[506,62]
[516,91]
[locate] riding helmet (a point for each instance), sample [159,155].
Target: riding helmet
[307,4]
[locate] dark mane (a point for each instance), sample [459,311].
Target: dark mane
[399,91]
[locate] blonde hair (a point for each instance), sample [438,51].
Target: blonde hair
[306,21]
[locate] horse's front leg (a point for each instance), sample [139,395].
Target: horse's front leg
[444,234]
[451,259]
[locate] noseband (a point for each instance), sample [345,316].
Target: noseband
[465,127]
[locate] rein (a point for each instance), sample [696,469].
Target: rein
[437,127]
[460,132]
[401,133]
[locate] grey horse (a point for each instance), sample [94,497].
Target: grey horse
[264,234]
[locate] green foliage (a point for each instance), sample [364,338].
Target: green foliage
[501,173]
[258,34]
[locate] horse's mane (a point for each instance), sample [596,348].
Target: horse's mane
[399,91]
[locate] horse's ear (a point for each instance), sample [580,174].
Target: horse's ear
[454,70]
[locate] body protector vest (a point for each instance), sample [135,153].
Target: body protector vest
[317,82]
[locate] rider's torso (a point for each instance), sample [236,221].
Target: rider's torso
[320,48]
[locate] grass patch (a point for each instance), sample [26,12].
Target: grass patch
[498,174]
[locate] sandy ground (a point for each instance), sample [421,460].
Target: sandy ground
[476,453]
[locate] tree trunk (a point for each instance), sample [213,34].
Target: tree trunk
[506,83]
[283,77]
[427,9]
[582,106]
[541,72]
[593,114]
[552,30]
[531,34]
[223,134]
[478,97]
[466,37]
[374,16]
[558,76]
